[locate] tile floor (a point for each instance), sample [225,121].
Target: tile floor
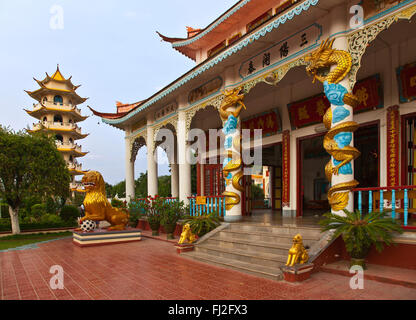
[151,269]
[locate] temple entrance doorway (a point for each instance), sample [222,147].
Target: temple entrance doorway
[263,188]
[313,185]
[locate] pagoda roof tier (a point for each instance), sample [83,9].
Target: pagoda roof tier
[58,77]
[42,109]
[69,128]
[56,84]
[71,148]
[75,169]
[218,30]
[40,93]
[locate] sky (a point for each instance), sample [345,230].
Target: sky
[109,47]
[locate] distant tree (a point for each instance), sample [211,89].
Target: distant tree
[30,164]
[119,189]
[109,190]
[164,186]
[141,186]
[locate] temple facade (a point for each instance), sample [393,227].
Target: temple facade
[330,144]
[57,112]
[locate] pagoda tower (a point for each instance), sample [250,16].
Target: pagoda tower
[57,112]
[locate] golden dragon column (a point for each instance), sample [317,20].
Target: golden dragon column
[232,166]
[338,119]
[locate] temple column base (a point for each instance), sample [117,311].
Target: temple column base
[233,218]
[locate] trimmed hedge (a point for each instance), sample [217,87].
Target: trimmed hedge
[36,226]
[69,213]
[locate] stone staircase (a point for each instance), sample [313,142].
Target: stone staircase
[255,249]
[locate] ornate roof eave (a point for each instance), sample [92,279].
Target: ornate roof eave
[180,42]
[186,51]
[221,56]
[108,115]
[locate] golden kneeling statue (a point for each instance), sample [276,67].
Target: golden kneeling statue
[96,205]
[297,253]
[186,234]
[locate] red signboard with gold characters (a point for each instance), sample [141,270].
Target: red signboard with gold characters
[311,110]
[407,82]
[393,146]
[286,168]
[269,122]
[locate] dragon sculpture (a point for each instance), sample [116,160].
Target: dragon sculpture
[233,163]
[339,136]
[96,205]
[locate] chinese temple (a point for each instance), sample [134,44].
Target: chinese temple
[58,113]
[346,141]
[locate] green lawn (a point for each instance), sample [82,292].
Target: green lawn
[18,240]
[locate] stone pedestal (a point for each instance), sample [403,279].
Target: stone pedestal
[104,236]
[297,273]
[184,247]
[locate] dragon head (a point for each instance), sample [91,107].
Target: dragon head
[319,60]
[93,181]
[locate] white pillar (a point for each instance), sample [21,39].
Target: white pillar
[129,172]
[152,187]
[339,22]
[184,165]
[235,213]
[174,179]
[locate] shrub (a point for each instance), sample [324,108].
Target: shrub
[117,203]
[171,212]
[135,212]
[38,210]
[69,213]
[50,219]
[201,225]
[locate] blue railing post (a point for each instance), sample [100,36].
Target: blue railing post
[393,204]
[370,201]
[406,206]
[360,201]
[381,201]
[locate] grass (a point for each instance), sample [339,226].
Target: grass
[18,240]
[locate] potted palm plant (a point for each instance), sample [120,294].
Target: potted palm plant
[170,215]
[361,232]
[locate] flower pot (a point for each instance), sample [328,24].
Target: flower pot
[170,228]
[359,262]
[155,228]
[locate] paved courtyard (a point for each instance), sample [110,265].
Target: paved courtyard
[151,269]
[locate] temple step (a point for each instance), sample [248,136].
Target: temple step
[252,248]
[249,268]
